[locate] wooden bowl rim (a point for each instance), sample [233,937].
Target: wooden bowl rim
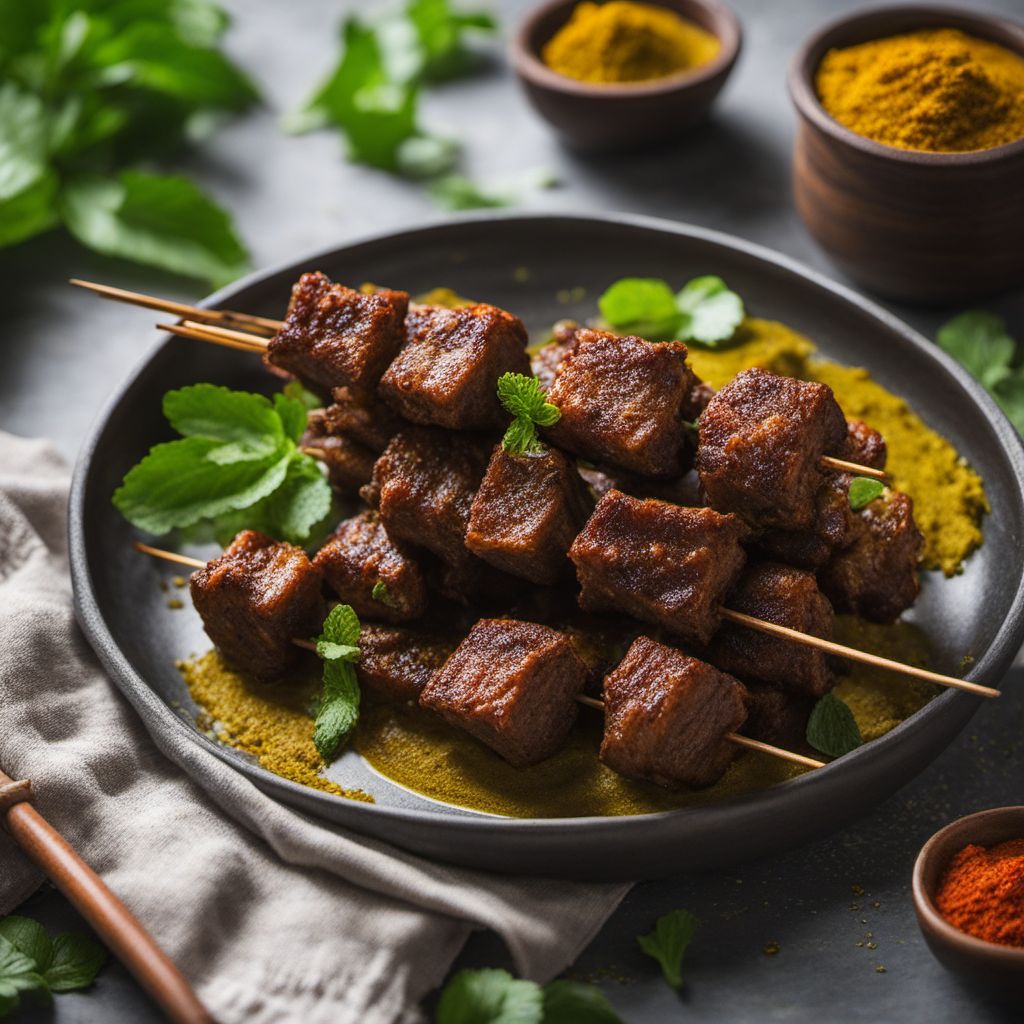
[805,62]
[529,65]
[959,833]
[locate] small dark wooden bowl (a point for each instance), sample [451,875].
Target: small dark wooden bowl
[940,228]
[602,118]
[999,970]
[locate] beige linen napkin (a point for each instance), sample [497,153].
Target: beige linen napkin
[272,915]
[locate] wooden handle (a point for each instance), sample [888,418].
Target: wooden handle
[119,929]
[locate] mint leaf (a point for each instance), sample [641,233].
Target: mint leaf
[292,413]
[645,306]
[524,398]
[668,942]
[831,728]
[17,974]
[28,187]
[338,712]
[341,626]
[710,311]
[77,960]
[440,30]
[161,220]
[863,491]
[336,652]
[247,421]
[571,1002]
[295,391]
[979,341]
[29,938]
[1009,394]
[381,593]
[490,996]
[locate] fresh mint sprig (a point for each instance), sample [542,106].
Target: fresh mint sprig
[704,310]
[236,466]
[338,712]
[831,728]
[524,398]
[863,491]
[668,943]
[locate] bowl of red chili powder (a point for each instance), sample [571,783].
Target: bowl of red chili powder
[969,897]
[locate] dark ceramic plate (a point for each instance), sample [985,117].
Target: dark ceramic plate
[527,263]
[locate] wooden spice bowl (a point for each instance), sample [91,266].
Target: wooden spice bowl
[936,228]
[602,118]
[998,969]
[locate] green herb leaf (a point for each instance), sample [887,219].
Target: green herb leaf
[863,491]
[292,413]
[248,424]
[668,942]
[77,960]
[1010,395]
[381,593]
[29,938]
[645,306]
[298,393]
[341,626]
[490,996]
[710,311]
[339,701]
[163,221]
[524,398]
[17,974]
[832,729]
[980,342]
[440,30]
[336,652]
[425,156]
[571,1002]
[457,192]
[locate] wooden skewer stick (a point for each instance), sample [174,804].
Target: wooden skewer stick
[842,466]
[735,737]
[742,619]
[198,332]
[119,929]
[179,308]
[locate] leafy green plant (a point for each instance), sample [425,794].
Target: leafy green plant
[704,310]
[979,340]
[863,491]
[831,728]
[338,712]
[237,465]
[89,90]
[668,943]
[30,961]
[524,398]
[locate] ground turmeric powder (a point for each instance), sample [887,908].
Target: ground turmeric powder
[939,90]
[624,41]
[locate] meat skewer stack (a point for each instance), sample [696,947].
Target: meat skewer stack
[411,426]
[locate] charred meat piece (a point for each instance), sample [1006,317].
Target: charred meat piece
[658,562]
[801,548]
[424,484]
[469,580]
[360,560]
[864,445]
[395,664]
[876,576]
[513,686]
[446,375]
[526,514]
[334,336]
[546,360]
[777,717]
[666,716]
[625,401]
[349,464]
[787,597]
[368,421]
[761,441]
[682,490]
[255,598]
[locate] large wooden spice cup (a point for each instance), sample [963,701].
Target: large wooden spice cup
[937,228]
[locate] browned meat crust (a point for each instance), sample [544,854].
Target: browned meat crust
[358,556]
[255,598]
[760,445]
[512,685]
[334,336]
[865,445]
[625,401]
[368,421]
[446,374]
[787,597]
[349,464]
[777,717]
[395,664]
[666,716]
[876,576]
[658,562]
[527,513]
[546,360]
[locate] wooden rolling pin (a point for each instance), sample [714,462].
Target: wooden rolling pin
[115,924]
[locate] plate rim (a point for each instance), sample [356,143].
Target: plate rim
[996,659]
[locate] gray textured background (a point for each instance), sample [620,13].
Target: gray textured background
[839,910]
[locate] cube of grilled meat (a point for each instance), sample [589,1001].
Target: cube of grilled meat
[349,464]
[681,490]
[360,558]
[424,484]
[777,717]
[395,664]
[546,360]
[803,549]
[760,445]
[527,513]
[255,598]
[666,716]
[366,420]
[513,686]
[658,562]
[864,445]
[876,576]
[447,373]
[334,336]
[788,597]
[625,401]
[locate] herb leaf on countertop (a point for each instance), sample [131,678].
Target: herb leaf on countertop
[440,31]
[573,1002]
[490,996]
[668,943]
[831,728]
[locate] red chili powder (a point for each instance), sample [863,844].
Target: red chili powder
[982,892]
